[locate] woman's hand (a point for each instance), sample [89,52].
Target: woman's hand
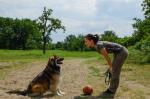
[108,76]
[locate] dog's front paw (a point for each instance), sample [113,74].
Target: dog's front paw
[59,93]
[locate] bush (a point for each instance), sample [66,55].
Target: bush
[137,56]
[143,45]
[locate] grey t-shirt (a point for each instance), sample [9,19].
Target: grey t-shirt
[109,46]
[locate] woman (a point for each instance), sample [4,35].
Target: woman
[120,55]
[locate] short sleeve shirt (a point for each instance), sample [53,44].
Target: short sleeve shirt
[109,46]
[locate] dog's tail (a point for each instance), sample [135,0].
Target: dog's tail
[18,92]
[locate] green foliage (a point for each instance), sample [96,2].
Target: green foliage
[59,45]
[137,56]
[146,8]
[144,47]
[80,42]
[126,41]
[19,34]
[142,29]
[72,43]
[141,35]
[109,36]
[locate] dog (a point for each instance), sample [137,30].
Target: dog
[47,80]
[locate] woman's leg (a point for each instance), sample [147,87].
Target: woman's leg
[118,61]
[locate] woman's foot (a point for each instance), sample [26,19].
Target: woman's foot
[107,94]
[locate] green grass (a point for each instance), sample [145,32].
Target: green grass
[137,57]
[37,54]
[138,73]
[134,72]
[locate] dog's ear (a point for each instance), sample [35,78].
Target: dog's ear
[55,56]
[50,61]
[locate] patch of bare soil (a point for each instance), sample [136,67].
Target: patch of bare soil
[74,75]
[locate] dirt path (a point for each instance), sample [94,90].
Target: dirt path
[74,78]
[76,73]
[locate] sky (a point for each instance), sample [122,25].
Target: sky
[79,16]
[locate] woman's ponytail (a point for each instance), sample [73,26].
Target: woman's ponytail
[95,37]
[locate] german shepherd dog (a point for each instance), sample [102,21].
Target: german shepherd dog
[47,80]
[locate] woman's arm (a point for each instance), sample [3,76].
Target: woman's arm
[106,56]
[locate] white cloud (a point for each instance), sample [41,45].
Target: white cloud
[87,7]
[120,1]
[79,16]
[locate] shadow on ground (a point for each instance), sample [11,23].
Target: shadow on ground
[90,97]
[18,92]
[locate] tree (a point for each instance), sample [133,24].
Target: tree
[26,34]
[33,40]
[6,32]
[80,42]
[142,27]
[125,41]
[74,43]
[59,45]
[48,24]
[141,35]
[109,36]
[19,34]
[146,8]
[69,42]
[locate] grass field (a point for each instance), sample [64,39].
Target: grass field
[37,54]
[135,76]
[130,72]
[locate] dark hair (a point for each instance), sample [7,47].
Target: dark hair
[95,37]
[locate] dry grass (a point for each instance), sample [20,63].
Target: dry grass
[78,72]
[134,82]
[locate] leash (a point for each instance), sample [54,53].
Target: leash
[108,76]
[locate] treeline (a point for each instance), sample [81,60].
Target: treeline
[29,34]
[19,34]
[76,43]
[71,43]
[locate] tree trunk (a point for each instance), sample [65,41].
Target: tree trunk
[44,45]
[23,46]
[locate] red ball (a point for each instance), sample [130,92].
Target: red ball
[87,90]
